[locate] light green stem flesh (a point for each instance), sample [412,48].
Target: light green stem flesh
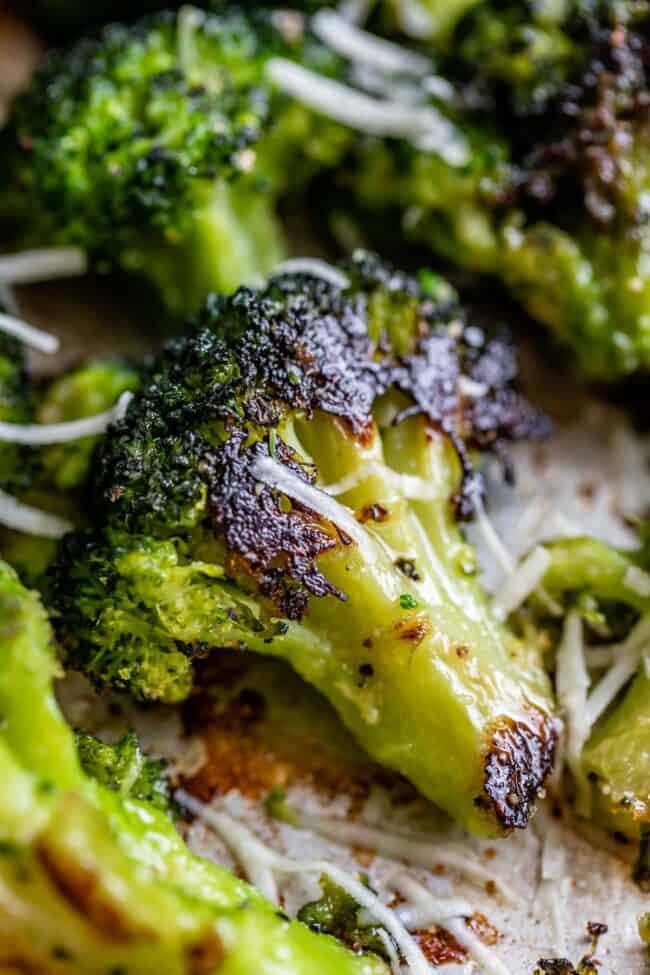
[235,239]
[423,689]
[91,882]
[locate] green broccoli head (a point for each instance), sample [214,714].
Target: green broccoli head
[553,196]
[124,768]
[160,149]
[290,481]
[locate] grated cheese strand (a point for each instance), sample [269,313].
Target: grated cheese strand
[44,434]
[629,655]
[316,267]
[413,850]
[356,44]
[439,914]
[572,684]
[523,581]
[34,337]
[277,476]
[23,518]
[47,264]
[424,126]
[247,847]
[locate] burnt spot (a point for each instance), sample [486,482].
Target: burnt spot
[408,569]
[413,629]
[278,542]
[518,760]
[206,956]
[372,512]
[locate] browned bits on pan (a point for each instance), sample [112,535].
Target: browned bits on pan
[519,758]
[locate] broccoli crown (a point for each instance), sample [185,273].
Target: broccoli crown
[160,134]
[217,524]
[124,768]
[217,401]
[16,406]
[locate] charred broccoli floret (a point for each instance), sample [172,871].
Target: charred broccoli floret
[95,880]
[160,148]
[601,678]
[551,194]
[289,481]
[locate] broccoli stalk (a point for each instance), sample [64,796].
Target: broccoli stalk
[161,150]
[100,880]
[212,534]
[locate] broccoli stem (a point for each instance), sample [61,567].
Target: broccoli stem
[235,239]
[407,682]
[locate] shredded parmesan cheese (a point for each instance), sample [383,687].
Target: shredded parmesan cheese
[316,267]
[37,339]
[629,655]
[280,477]
[572,684]
[416,851]
[638,581]
[255,856]
[522,582]
[359,45]
[29,267]
[424,126]
[43,434]
[444,914]
[31,521]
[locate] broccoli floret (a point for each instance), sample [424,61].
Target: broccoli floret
[100,880]
[160,148]
[91,388]
[125,768]
[337,913]
[213,528]
[551,192]
[610,590]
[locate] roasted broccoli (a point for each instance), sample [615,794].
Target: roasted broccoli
[123,767]
[96,881]
[214,528]
[601,679]
[161,149]
[551,193]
